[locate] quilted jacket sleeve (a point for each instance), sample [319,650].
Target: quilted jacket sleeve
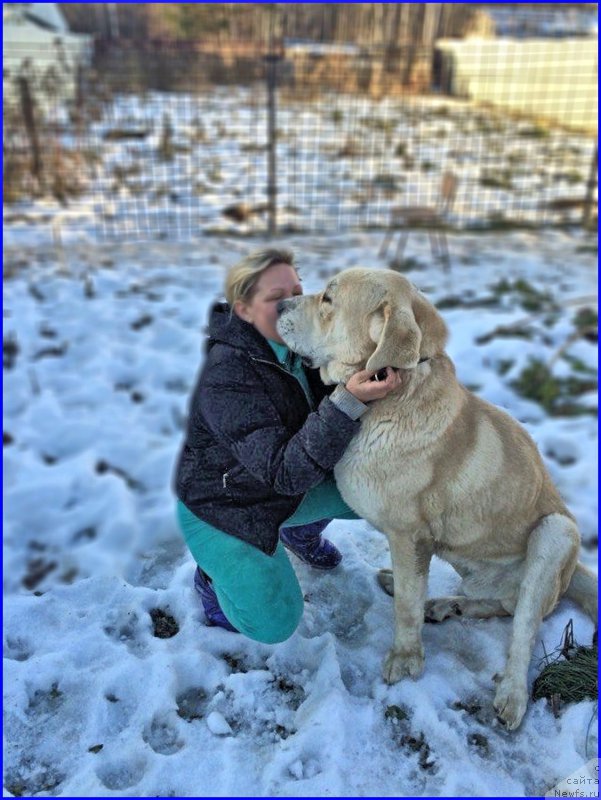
[236,407]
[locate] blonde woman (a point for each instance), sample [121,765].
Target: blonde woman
[254,474]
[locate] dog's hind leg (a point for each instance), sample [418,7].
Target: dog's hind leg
[583,590]
[550,560]
[442,608]
[386,581]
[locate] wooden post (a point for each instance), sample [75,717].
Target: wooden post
[30,126]
[272,187]
[590,187]
[113,20]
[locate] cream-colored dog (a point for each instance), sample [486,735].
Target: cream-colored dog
[440,471]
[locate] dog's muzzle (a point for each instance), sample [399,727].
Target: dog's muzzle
[286,305]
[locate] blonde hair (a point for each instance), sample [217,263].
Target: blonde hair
[242,278]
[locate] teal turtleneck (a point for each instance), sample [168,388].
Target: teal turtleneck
[293,364]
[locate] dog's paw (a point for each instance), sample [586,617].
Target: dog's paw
[386,581]
[441,608]
[399,665]
[510,702]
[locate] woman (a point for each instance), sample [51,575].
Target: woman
[255,470]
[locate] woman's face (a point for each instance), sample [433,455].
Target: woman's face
[277,282]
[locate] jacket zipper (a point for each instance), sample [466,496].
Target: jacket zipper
[286,372]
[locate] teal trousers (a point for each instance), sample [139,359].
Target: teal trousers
[259,594]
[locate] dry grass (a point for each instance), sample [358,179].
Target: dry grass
[569,674]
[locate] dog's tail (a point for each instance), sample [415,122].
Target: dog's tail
[583,590]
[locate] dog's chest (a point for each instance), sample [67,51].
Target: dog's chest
[374,473]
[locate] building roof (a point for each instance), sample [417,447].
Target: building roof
[47,16]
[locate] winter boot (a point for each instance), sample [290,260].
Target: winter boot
[212,609]
[306,542]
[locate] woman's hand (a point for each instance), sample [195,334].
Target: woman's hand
[365,389]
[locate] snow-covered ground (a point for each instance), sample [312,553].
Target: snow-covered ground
[99,362]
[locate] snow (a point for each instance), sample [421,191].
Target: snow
[95,704]
[218,724]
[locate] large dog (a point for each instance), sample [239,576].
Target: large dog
[440,471]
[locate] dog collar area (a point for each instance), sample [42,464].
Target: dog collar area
[381,373]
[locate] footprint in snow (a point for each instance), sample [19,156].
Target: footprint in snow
[127,628]
[17,649]
[162,735]
[121,773]
[117,711]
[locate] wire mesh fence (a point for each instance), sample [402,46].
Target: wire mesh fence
[177,138]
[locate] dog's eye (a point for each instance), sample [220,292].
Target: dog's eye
[326,299]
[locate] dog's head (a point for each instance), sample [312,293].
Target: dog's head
[364,319]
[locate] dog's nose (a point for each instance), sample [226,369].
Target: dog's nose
[280,307]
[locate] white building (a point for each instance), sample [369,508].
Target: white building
[37,43]
[555,79]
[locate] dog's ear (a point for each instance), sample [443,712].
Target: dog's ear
[398,338]
[431,324]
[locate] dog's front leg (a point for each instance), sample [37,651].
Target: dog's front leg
[410,561]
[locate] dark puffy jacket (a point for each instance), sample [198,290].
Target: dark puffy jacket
[253,445]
